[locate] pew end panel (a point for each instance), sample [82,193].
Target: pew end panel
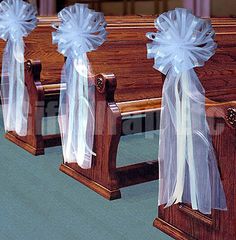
[219,81]
[183,223]
[39,97]
[33,141]
[105,177]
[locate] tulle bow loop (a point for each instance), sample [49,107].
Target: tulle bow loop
[17,20]
[81,31]
[182,42]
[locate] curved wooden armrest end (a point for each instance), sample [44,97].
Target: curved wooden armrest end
[225,110]
[106,84]
[33,67]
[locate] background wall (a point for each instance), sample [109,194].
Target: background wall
[145,7]
[218,8]
[142,7]
[223,8]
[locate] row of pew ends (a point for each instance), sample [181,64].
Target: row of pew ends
[126,85]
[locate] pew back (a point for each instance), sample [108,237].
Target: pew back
[124,54]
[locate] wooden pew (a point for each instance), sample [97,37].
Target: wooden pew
[138,90]
[128,86]
[219,80]
[130,30]
[39,46]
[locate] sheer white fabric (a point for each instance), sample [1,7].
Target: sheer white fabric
[188,166]
[17,20]
[82,30]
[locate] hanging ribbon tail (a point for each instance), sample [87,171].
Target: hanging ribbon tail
[76,113]
[15,99]
[17,20]
[188,168]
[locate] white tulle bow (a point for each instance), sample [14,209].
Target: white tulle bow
[17,20]
[81,31]
[188,167]
[182,42]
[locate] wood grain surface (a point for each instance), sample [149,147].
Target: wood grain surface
[180,221]
[124,54]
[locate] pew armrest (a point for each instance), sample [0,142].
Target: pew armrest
[225,110]
[32,76]
[106,84]
[33,82]
[33,67]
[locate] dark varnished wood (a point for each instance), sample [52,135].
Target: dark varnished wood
[126,34]
[171,230]
[125,50]
[180,221]
[137,173]
[138,90]
[130,85]
[107,128]
[34,142]
[108,131]
[103,191]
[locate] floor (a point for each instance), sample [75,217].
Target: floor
[38,202]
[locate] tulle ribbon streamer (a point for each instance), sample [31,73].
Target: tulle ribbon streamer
[81,31]
[188,166]
[17,20]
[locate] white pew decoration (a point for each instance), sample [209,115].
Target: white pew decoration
[188,166]
[17,20]
[81,31]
